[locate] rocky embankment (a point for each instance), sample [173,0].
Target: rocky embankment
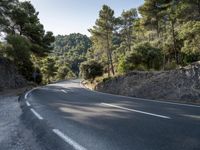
[180,85]
[9,78]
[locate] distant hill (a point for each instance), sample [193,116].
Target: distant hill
[72,48]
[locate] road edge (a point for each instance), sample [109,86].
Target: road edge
[41,129]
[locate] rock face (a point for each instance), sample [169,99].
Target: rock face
[181,84]
[9,78]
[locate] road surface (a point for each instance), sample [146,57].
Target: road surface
[87,120]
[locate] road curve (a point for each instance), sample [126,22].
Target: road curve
[87,120]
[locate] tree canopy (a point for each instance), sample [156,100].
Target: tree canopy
[72,49]
[165,36]
[157,35]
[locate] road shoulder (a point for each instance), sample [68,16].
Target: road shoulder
[13,133]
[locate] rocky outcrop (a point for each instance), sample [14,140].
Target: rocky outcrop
[9,77]
[181,84]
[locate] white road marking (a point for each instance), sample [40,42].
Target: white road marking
[138,111]
[173,103]
[36,114]
[27,103]
[26,95]
[68,140]
[143,99]
[64,91]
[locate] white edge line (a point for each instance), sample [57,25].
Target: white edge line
[27,93]
[36,114]
[68,140]
[138,111]
[143,99]
[27,103]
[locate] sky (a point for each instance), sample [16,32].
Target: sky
[76,16]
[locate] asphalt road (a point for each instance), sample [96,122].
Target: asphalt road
[87,120]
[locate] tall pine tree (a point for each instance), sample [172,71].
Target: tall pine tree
[102,32]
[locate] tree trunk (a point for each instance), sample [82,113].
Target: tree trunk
[174,42]
[157,28]
[108,63]
[111,63]
[129,39]
[109,55]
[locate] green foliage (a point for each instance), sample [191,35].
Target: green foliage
[122,66]
[130,62]
[48,69]
[20,47]
[102,36]
[6,7]
[64,72]
[171,65]
[126,33]
[2,49]
[19,51]
[190,34]
[72,49]
[25,37]
[91,69]
[150,56]
[165,36]
[22,18]
[142,57]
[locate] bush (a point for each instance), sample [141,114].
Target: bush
[121,67]
[91,69]
[151,56]
[64,72]
[143,57]
[171,65]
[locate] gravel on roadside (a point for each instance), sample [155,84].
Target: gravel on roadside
[13,134]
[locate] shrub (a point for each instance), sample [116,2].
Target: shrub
[171,65]
[143,57]
[64,72]
[91,69]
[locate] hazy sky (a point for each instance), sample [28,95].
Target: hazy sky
[69,16]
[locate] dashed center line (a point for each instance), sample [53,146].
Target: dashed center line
[68,140]
[134,110]
[64,91]
[27,103]
[36,114]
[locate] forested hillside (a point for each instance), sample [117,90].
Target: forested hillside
[72,49]
[26,44]
[159,35]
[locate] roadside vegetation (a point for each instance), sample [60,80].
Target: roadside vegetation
[159,35]
[37,54]
[24,37]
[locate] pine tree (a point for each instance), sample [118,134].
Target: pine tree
[102,32]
